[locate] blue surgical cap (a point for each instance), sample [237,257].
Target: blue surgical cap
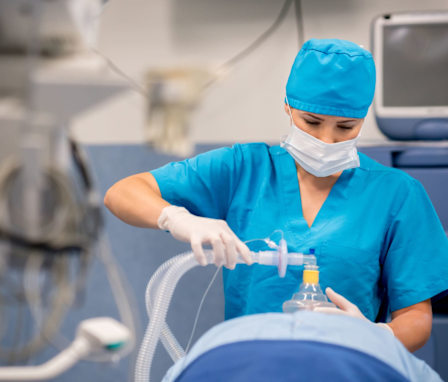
[332,77]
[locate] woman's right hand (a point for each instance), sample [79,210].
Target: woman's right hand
[198,231]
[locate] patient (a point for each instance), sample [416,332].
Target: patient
[303,346]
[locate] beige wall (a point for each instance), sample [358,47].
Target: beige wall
[247,104]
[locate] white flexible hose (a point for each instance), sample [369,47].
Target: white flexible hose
[180,265]
[164,282]
[171,344]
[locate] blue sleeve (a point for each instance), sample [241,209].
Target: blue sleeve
[416,262]
[204,184]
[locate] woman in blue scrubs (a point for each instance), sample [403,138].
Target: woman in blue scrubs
[372,228]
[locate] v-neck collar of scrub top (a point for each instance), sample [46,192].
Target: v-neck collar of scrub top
[292,196]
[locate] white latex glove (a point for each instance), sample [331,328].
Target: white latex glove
[347,308]
[198,231]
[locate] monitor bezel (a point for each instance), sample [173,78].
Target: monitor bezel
[378,28]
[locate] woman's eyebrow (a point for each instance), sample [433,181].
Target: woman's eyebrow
[313,116]
[347,120]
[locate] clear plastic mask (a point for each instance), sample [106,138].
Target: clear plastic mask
[309,295]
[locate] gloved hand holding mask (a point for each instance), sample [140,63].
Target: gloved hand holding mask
[346,307]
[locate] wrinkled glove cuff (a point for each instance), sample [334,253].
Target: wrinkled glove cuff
[168,214]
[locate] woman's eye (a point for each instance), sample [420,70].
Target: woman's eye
[311,123]
[346,127]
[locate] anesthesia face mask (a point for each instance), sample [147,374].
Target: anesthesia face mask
[310,295]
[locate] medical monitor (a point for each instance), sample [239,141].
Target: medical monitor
[411,56]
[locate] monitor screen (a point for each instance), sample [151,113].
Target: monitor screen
[415,65]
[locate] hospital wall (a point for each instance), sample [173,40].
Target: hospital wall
[247,104]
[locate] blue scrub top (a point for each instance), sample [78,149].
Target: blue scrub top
[376,231]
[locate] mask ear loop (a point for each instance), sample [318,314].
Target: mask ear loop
[291,121]
[289,108]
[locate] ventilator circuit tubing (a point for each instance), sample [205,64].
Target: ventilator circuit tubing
[164,281]
[162,300]
[170,343]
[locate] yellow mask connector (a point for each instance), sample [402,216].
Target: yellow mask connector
[310,274]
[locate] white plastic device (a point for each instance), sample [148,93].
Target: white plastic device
[100,334]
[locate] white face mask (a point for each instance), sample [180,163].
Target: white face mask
[317,157]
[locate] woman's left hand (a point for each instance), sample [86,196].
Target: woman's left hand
[346,307]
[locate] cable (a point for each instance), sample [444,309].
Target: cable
[230,62]
[126,305]
[61,232]
[121,291]
[56,235]
[268,241]
[51,321]
[200,307]
[134,84]
[299,22]
[260,39]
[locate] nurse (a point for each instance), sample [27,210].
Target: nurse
[372,228]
